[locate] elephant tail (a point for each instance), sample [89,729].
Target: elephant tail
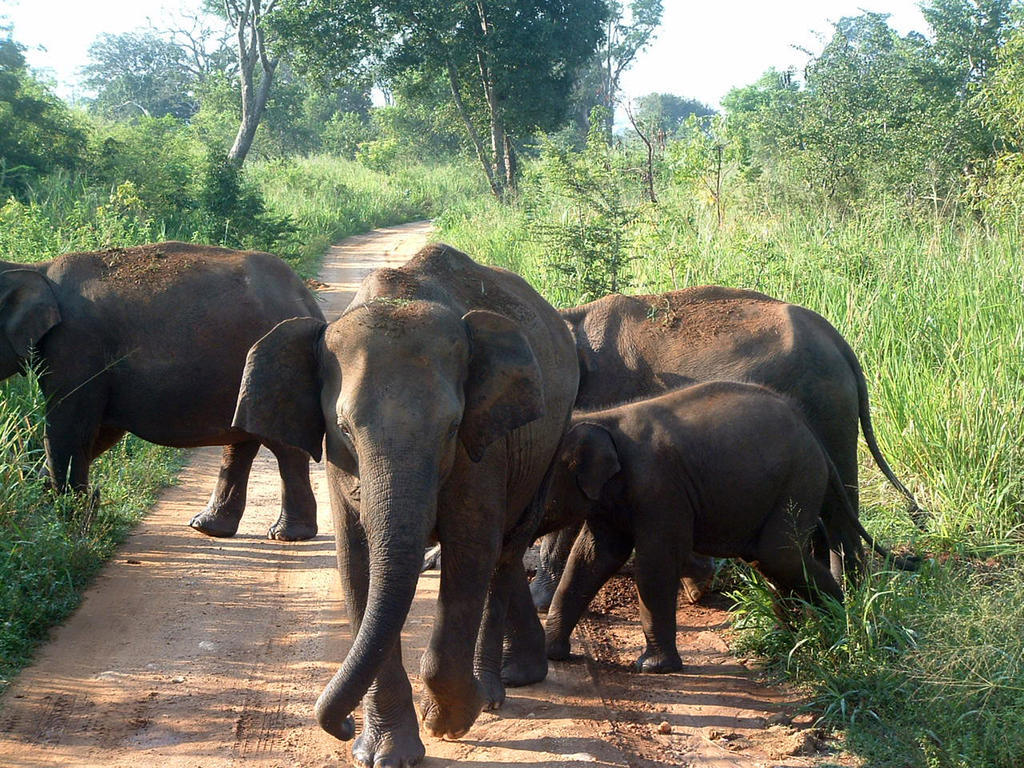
[917,513]
[901,562]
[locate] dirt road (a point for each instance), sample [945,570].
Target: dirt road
[207,653]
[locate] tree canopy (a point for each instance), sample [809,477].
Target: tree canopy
[37,132]
[509,64]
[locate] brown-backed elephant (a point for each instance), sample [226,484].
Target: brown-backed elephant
[719,468]
[637,346]
[443,391]
[152,340]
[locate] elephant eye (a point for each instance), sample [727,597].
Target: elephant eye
[346,433]
[454,428]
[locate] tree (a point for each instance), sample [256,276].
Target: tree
[626,34]
[140,73]
[248,19]
[665,113]
[509,64]
[37,131]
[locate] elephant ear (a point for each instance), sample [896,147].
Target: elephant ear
[593,458]
[503,388]
[28,308]
[280,394]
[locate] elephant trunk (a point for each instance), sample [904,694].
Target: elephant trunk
[396,522]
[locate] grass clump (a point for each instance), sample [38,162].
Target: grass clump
[51,545]
[920,669]
[329,198]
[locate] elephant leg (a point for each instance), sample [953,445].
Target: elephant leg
[297,521]
[454,697]
[804,576]
[105,439]
[554,552]
[69,444]
[390,733]
[596,555]
[524,660]
[657,579]
[224,510]
[782,554]
[847,552]
[510,646]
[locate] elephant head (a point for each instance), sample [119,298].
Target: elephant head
[28,310]
[586,460]
[409,394]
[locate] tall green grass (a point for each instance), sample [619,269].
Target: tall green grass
[328,198]
[920,669]
[50,545]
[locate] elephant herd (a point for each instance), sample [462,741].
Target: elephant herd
[456,406]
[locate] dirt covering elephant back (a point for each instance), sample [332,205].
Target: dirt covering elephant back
[637,346]
[152,340]
[443,390]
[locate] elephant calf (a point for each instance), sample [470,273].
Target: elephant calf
[152,340]
[720,468]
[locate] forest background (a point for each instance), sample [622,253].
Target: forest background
[881,186]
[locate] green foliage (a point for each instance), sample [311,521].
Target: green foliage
[1000,102]
[53,545]
[37,131]
[328,198]
[140,72]
[629,29]
[233,212]
[584,211]
[664,114]
[509,66]
[919,670]
[408,134]
[884,119]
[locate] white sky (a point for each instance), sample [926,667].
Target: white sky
[702,50]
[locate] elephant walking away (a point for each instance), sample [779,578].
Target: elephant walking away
[637,346]
[444,390]
[720,468]
[152,340]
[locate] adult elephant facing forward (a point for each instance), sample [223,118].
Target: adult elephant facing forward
[444,391]
[636,346]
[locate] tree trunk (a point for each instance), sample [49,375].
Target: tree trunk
[499,168]
[453,81]
[248,21]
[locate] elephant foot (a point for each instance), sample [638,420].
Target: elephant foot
[521,672]
[452,721]
[289,529]
[494,690]
[558,649]
[659,662]
[389,747]
[216,523]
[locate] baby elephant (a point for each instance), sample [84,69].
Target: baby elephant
[719,468]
